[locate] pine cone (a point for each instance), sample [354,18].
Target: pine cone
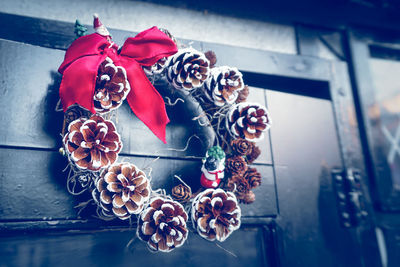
[253,177]
[122,190]
[212,57]
[112,87]
[74,112]
[181,193]
[236,165]
[250,197]
[163,225]
[92,143]
[249,121]
[223,85]
[239,185]
[243,94]
[241,147]
[187,69]
[215,214]
[255,152]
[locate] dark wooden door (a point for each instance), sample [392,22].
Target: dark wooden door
[294,221]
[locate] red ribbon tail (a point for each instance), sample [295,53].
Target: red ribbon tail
[145,101]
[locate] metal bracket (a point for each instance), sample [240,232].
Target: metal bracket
[349,197]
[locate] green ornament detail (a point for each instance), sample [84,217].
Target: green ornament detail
[216,152]
[80,29]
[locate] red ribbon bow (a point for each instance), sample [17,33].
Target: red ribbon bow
[82,61]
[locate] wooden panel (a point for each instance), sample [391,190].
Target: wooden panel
[29,93]
[57,34]
[32,185]
[109,248]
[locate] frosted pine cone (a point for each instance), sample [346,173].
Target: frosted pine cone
[112,87]
[187,69]
[216,214]
[122,190]
[248,120]
[92,143]
[223,85]
[163,225]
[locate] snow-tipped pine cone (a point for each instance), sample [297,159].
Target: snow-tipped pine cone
[121,190]
[92,143]
[112,87]
[223,85]
[215,214]
[187,69]
[248,121]
[163,225]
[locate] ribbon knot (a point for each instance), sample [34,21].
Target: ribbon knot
[84,57]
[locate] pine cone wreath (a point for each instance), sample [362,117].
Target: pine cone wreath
[112,87]
[248,121]
[163,225]
[215,214]
[181,193]
[187,69]
[122,190]
[223,85]
[253,177]
[239,186]
[92,143]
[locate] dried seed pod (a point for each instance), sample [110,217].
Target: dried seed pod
[216,214]
[187,69]
[122,190]
[163,225]
[92,143]
[248,120]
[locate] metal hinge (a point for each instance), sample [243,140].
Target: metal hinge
[349,197]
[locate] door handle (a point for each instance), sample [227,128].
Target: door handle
[349,197]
